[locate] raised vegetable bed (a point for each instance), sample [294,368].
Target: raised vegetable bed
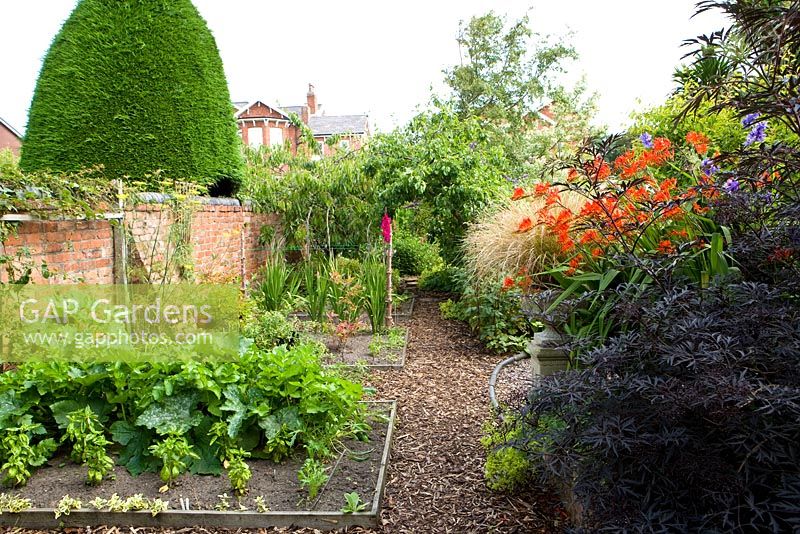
[360,467]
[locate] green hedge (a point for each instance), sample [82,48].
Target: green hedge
[136,86]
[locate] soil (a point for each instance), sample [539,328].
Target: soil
[435,482]
[356,351]
[354,469]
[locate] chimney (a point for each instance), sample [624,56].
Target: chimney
[311,100]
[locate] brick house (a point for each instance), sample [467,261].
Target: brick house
[9,137]
[263,124]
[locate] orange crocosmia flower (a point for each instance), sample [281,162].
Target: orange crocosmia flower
[566,242]
[525,225]
[589,236]
[598,169]
[541,189]
[574,263]
[508,283]
[699,209]
[665,247]
[525,283]
[553,197]
[661,152]
[597,252]
[518,194]
[680,233]
[698,141]
[572,175]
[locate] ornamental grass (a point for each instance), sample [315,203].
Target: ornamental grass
[494,246]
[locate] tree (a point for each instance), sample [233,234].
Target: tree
[501,82]
[445,165]
[136,86]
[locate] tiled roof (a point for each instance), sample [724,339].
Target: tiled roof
[297,110]
[341,124]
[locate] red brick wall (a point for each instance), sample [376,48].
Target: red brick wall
[224,239]
[74,251]
[9,140]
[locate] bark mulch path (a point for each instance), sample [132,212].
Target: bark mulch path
[435,479]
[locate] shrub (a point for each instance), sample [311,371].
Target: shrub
[688,421]
[446,279]
[412,255]
[136,87]
[495,314]
[270,329]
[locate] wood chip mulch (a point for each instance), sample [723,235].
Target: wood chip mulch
[435,480]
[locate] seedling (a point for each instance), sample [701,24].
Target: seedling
[353,503]
[312,476]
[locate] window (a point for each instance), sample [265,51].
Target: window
[275,136]
[255,137]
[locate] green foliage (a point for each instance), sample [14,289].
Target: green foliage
[376,292]
[272,403]
[500,80]
[446,164]
[175,453]
[270,329]
[325,204]
[346,292]
[66,505]
[413,255]
[495,314]
[232,458]
[20,454]
[392,340]
[317,287]
[507,469]
[89,444]
[353,503]
[312,476]
[14,504]
[446,279]
[134,87]
[278,287]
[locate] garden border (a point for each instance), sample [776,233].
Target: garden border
[44,518]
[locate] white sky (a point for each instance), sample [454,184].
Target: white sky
[381,57]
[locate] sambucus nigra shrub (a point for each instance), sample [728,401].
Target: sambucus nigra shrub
[689,421]
[136,86]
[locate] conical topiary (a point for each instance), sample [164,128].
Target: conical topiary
[137,86]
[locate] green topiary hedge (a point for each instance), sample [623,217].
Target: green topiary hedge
[134,85]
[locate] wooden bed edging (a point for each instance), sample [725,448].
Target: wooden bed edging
[44,518]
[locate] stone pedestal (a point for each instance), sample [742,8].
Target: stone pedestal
[546,359]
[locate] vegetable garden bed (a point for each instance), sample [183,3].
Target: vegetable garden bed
[376,351]
[360,467]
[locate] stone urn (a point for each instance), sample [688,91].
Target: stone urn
[546,357]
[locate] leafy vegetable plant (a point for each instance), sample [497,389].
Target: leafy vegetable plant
[353,503]
[89,444]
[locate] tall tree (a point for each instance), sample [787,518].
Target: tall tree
[136,86]
[508,70]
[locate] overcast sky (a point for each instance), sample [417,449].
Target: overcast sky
[383,57]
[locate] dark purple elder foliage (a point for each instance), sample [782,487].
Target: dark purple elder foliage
[688,421]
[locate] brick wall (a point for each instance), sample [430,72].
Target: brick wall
[224,237]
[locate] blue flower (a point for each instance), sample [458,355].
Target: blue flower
[647,140]
[708,167]
[731,185]
[757,134]
[750,119]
